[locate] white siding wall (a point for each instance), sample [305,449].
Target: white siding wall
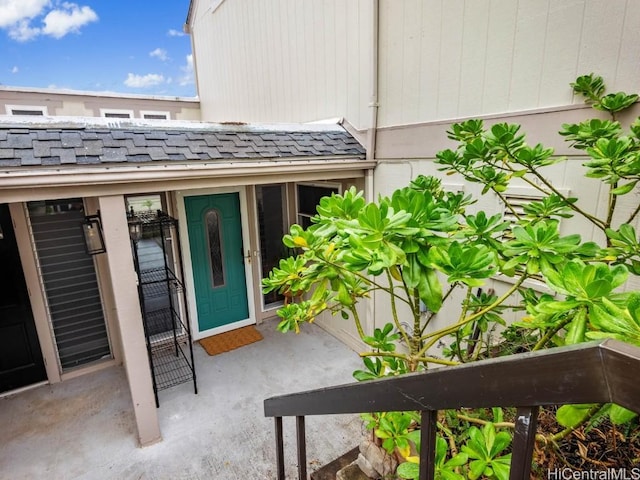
[305,60]
[442,59]
[284,60]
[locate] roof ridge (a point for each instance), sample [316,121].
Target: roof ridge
[113,123]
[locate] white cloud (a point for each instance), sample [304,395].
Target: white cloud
[18,17]
[142,81]
[187,70]
[22,31]
[175,33]
[69,18]
[160,54]
[15,69]
[14,11]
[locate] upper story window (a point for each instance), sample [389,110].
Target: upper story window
[153,115]
[26,110]
[111,113]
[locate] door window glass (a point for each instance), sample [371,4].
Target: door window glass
[214,237]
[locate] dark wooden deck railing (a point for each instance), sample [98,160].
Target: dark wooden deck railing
[596,372]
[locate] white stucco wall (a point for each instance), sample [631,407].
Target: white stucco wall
[71,103]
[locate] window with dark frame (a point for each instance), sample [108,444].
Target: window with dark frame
[29,112]
[309,196]
[155,116]
[116,115]
[272,225]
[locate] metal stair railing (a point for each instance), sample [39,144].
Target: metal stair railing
[595,372]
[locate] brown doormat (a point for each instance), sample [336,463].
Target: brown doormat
[231,340]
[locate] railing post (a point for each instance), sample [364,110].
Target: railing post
[279,448]
[523,441]
[428,444]
[302,449]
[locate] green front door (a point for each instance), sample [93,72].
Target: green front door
[215,240]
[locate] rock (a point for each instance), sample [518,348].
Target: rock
[351,472]
[384,464]
[366,466]
[329,471]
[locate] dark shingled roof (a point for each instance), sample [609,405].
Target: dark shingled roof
[26,145]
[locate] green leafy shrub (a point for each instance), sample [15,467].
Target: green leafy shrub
[419,245]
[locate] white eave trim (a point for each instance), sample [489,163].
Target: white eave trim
[125,174]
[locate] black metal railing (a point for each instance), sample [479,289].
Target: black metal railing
[595,372]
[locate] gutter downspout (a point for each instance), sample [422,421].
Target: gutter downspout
[373,129]
[373,104]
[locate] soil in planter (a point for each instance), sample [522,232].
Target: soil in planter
[599,447]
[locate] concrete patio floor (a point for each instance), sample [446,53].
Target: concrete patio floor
[84,428]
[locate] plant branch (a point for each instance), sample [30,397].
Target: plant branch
[438,334]
[613,199]
[596,221]
[433,314]
[463,313]
[564,433]
[599,223]
[477,347]
[449,434]
[365,279]
[409,358]
[394,311]
[534,184]
[479,421]
[410,300]
[356,318]
[510,425]
[507,204]
[634,214]
[417,333]
[551,332]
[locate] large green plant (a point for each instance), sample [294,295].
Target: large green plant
[420,244]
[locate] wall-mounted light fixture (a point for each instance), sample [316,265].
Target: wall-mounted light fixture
[93,234]
[135,226]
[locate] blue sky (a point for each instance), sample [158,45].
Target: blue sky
[97,45]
